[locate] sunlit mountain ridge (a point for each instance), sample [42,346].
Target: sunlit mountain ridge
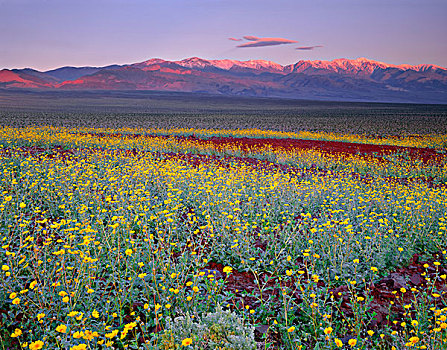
[340,79]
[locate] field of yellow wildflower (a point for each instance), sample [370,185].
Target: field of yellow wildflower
[221,239]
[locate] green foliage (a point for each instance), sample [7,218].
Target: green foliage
[220,330]
[113,244]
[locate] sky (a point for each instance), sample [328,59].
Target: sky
[46,34]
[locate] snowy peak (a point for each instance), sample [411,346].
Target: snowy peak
[261,65]
[148,63]
[194,62]
[226,64]
[362,65]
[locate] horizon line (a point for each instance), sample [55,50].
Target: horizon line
[222,59]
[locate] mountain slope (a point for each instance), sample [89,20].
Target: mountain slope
[23,79]
[339,79]
[73,73]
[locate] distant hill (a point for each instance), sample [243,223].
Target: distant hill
[340,79]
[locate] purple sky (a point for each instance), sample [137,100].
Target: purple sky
[45,34]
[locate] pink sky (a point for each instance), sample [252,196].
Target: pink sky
[54,33]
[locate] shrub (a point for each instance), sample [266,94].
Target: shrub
[219,330]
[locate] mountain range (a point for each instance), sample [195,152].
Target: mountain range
[341,79]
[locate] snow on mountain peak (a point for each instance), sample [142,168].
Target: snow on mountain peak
[227,64]
[361,65]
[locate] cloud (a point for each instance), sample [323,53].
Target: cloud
[259,42]
[308,47]
[234,39]
[251,38]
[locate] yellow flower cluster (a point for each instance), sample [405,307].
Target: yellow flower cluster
[99,243]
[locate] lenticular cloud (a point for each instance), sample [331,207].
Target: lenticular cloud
[308,47]
[255,41]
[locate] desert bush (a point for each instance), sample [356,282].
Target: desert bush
[220,330]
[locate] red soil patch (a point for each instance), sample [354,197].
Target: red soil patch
[388,299]
[424,154]
[52,152]
[264,165]
[247,143]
